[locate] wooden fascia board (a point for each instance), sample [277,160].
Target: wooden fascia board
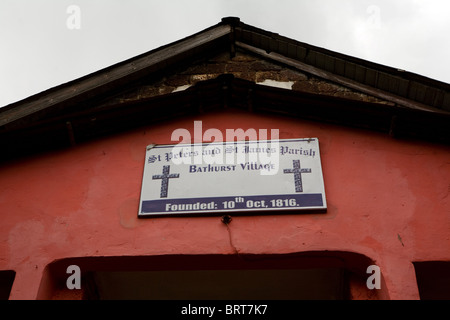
[106,78]
[304,67]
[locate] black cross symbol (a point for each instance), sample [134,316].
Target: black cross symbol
[297,171]
[165,176]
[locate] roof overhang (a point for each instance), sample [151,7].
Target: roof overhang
[419,107]
[225,93]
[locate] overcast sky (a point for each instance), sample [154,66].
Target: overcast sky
[44,43]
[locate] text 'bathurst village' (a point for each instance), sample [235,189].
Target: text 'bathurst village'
[251,176]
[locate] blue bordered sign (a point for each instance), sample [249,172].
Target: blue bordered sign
[238,177]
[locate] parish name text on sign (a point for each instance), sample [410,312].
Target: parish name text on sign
[239,177]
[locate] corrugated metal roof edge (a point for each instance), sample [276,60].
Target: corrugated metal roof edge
[102,78]
[230,32]
[367,63]
[401,83]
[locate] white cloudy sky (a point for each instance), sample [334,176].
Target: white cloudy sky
[38,50]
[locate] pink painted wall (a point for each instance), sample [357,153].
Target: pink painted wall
[387,199]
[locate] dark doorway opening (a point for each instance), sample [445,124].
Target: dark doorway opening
[433,279]
[6,281]
[325,275]
[323,284]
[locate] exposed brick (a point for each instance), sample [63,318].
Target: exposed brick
[245,67]
[177,80]
[326,87]
[262,65]
[305,86]
[250,76]
[291,75]
[236,67]
[240,57]
[202,77]
[265,75]
[207,68]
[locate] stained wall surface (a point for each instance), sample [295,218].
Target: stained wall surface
[387,200]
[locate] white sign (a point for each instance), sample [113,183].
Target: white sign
[233,177]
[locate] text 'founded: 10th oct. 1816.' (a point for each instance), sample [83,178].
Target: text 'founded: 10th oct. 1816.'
[239,177]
